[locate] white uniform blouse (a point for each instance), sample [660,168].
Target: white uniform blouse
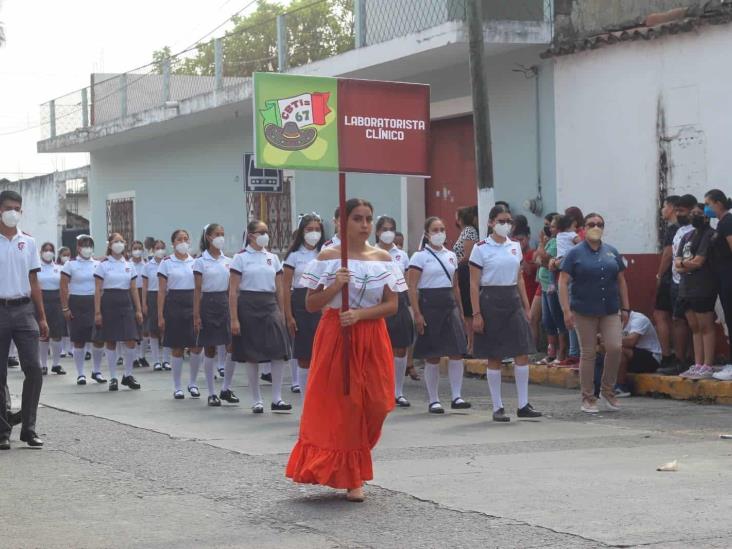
[177,272]
[433,275]
[150,272]
[366,287]
[116,274]
[258,270]
[139,267]
[49,277]
[500,262]
[400,257]
[81,275]
[214,272]
[297,261]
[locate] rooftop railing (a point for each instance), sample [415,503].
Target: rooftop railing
[266,40]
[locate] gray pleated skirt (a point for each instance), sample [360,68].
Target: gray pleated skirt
[444,334]
[151,320]
[507,332]
[118,317]
[215,320]
[401,326]
[307,324]
[178,314]
[54,315]
[81,327]
[264,336]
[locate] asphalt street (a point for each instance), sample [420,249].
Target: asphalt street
[138,469]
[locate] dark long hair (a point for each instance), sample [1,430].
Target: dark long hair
[176,233]
[109,243]
[576,214]
[354,203]
[699,232]
[299,237]
[53,248]
[204,244]
[468,216]
[718,196]
[82,241]
[61,250]
[385,219]
[427,224]
[250,228]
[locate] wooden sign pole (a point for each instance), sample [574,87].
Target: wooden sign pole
[343,233]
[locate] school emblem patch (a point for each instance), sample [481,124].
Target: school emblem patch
[269,262]
[21,245]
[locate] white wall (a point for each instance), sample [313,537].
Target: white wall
[607,144]
[43,212]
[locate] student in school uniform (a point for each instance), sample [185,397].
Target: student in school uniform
[400,326]
[435,298]
[63,256]
[256,303]
[117,311]
[150,303]
[305,247]
[336,240]
[138,261]
[501,311]
[175,311]
[211,309]
[77,304]
[49,277]
[22,318]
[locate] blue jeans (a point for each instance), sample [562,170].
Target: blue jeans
[551,314]
[574,350]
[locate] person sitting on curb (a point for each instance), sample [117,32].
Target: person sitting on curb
[641,353]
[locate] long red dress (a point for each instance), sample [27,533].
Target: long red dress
[337,432]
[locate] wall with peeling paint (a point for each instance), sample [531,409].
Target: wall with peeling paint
[44,207]
[610,104]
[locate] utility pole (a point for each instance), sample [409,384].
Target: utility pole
[481,114]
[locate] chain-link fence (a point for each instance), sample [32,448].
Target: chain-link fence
[267,40]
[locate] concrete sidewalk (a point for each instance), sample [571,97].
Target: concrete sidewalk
[566,480]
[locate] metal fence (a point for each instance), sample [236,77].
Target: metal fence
[276,42]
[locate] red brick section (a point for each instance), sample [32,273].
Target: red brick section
[665,17]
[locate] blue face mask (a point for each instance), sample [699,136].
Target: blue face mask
[709,212]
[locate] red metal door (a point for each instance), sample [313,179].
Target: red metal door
[452,166]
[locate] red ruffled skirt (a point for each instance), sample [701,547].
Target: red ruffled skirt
[337,432]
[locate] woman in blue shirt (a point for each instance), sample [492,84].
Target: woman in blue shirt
[591,303]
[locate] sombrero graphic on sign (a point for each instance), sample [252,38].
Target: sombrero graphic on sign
[291,124]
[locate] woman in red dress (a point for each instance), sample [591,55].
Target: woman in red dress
[338,431]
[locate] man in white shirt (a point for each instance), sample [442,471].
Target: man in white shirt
[19,293]
[641,349]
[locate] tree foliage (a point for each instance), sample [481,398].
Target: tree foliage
[316,29]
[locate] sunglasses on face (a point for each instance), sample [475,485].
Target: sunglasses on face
[592,225]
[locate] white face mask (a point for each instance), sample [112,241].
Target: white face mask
[11,218]
[387,237]
[86,253]
[312,238]
[136,253]
[438,239]
[117,247]
[64,259]
[47,256]
[502,229]
[159,253]
[262,240]
[182,248]
[219,242]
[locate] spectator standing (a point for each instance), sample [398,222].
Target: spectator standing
[663,309]
[466,220]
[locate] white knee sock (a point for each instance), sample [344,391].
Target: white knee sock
[43,353]
[67,346]
[278,372]
[166,355]
[266,368]
[521,374]
[221,356]
[293,372]
[79,361]
[195,366]
[208,368]
[432,380]
[494,384]
[229,368]
[177,363]
[455,371]
[302,378]
[140,350]
[97,355]
[155,350]
[400,369]
[112,362]
[253,377]
[56,353]
[129,355]
[87,348]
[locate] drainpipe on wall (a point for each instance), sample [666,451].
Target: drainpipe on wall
[481,115]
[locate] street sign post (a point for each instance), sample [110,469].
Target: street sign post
[343,125]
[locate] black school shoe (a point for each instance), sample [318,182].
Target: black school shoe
[144,363]
[31,439]
[113,385]
[58,370]
[229,397]
[13,362]
[4,443]
[500,416]
[528,412]
[97,376]
[87,356]
[266,377]
[460,404]
[281,406]
[435,408]
[131,382]
[213,400]
[136,363]
[81,380]
[44,370]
